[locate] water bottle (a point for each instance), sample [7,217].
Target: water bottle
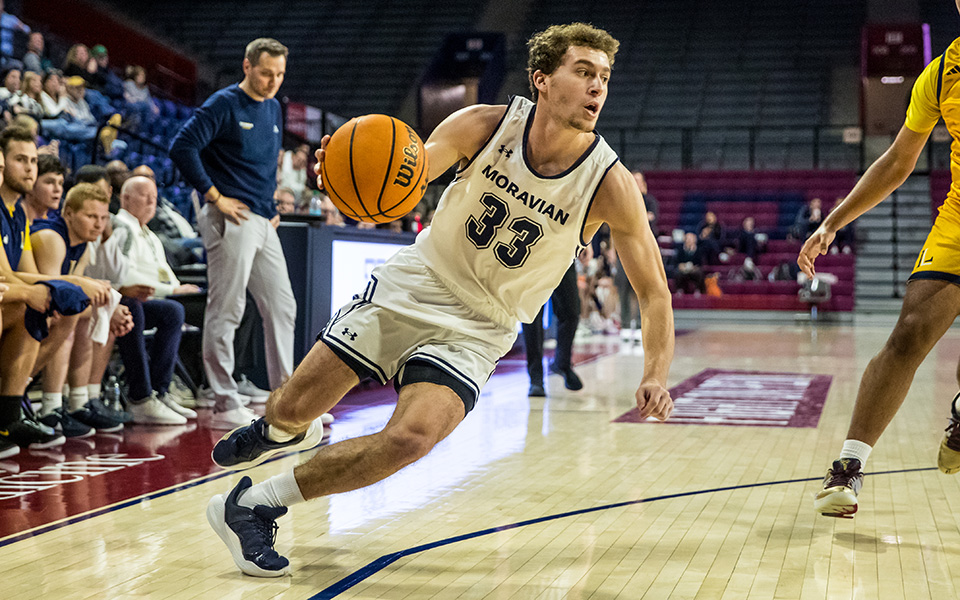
[316,204]
[111,394]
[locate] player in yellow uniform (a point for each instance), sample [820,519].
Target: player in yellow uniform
[932,300]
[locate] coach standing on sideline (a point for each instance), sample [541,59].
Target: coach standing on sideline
[228,152]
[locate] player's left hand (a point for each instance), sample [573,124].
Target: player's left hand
[275,221]
[653,400]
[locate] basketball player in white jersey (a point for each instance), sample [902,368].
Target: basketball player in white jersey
[534,183]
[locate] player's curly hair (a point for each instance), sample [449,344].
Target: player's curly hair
[548,47]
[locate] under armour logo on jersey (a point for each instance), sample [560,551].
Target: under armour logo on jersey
[346,332]
[503,150]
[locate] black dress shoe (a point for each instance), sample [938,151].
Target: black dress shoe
[570,379]
[537,391]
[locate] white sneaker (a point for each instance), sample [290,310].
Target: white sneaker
[172,402]
[185,396]
[326,418]
[207,399]
[153,412]
[230,419]
[247,388]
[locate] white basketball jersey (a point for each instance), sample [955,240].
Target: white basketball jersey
[503,235]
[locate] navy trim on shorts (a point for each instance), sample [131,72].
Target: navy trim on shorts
[362,370]
[420,369]
[936,276]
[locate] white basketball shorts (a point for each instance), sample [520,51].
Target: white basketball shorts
[406,325]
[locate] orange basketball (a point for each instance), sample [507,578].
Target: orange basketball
[375,169]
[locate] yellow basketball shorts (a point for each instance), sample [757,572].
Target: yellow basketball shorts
[940,256]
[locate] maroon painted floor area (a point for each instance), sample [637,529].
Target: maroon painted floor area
[41,487]
[758,398]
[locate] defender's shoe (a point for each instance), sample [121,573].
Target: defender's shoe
[570,379]
[249,533]
[948,459]
[840,488]
[248,446]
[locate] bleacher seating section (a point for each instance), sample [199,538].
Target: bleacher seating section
[350,58]
[149,146]
[773,199]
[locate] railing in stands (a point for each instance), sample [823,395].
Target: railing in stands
[756,148]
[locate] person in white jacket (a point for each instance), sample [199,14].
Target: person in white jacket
[145,283]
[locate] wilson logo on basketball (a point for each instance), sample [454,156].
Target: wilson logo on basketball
[411,155]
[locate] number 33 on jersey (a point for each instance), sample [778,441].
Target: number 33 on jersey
[522,228]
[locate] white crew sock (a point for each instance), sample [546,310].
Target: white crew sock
[281,490]
[78,397]
[856,449]
[93,389]
[278,435]
[50,401]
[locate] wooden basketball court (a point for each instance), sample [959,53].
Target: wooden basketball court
[539,498]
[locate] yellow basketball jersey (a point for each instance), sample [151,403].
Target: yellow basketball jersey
[937,94]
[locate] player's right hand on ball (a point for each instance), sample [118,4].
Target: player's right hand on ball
[653,400]
[321,154]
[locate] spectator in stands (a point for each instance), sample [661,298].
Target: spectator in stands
[24,121]
[117,172]
[293,169]
[148,280]
[11,83]
[688,263]
[712,224]
[653,207]
[78,62]
[33,60]
[26,100]
[286,200]
[103,79]
[54,95]
[9,25]
[808,219]
[236,171]
[136,94]
[179,238]
[80,112]
[748,241]
[331,215]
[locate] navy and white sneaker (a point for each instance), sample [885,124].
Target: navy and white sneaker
[249,533]
[61,421]
[101,418]
[248,446]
